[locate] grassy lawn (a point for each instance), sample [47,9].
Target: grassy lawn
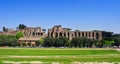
[65,56]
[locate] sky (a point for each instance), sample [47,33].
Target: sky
[83,15]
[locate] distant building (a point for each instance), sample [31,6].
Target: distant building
[58,31]
[34,32]
[10,31]
[31,35]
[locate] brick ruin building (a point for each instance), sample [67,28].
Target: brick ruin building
[58,31]
[10,31]
[33,34]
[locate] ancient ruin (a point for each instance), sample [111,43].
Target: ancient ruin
[58,31]
[33,34]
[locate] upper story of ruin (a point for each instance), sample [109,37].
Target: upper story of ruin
[58,31]
[33,32]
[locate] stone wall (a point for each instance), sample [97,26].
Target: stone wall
[58,31]
[35,32]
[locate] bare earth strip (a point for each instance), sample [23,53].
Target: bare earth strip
[118,50]
[39,62]
[80,56]
[58,48]
[30,62]
[94,63]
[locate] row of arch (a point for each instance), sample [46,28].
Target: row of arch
[33,33]
[95,35]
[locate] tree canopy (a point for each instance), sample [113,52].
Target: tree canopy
[19,34]
[5,29]
[8,40]
[21,26]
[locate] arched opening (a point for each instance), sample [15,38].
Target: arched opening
[52,34]
[97,35]
[56,34]
[82,34]
[79,34]
[65,34]
[38,34]
[93,34]
[60,34]
[75,34]
[68,34]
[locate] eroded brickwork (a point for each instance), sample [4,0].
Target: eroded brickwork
[33,32]
[58,31]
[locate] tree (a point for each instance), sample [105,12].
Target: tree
[81,42]
[108,43]
[5,29]
[107,35]
[63,41]
[40,42]
[19,34]
[99,44]
[86,42]
[76,42]
[8,40]
[22,26]
[13,42]
[3,40]
[116,38]
[48,41]
[68,29]
[58,42]
[44,30]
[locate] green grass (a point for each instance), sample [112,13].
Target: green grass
[65,56]
[53,52]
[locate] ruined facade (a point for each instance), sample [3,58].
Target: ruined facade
[31,35]
[58,31]
[10,31]
[33,32]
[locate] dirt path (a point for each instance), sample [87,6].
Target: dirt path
[39,62]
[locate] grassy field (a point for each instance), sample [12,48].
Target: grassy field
[60,56]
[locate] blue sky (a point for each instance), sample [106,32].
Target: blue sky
[84,15]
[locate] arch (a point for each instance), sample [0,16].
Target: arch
[33,33]
[64,34]
[60,34]
[56,34]
[82,34]
[97,35]
[75,34]
[68,34]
